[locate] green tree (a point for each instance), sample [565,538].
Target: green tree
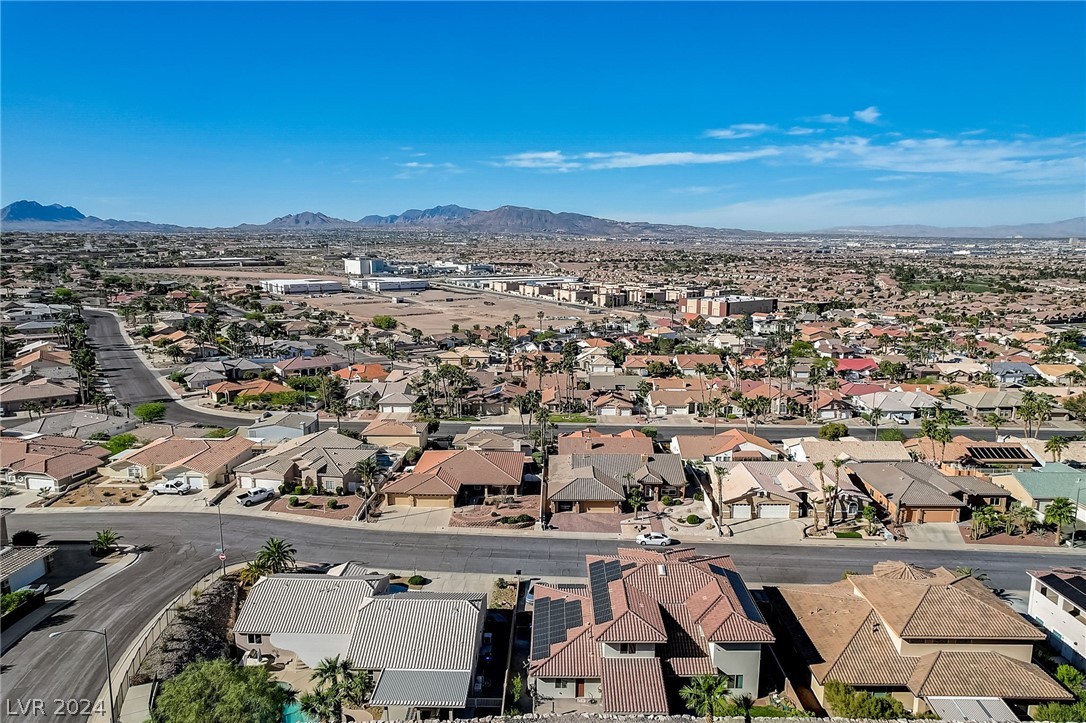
[844,701]
[635,499]
[120,442]
[367,470]
[1056,446]
[340,677]
[218,691]
[150,411]
[706,695]
[384,321]
[277,555]
[994,421]
[832,431]
[1060,512]
[744,703]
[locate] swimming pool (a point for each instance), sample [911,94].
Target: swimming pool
[292,713]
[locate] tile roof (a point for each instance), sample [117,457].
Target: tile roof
[982,674]
[633,685]
[474,466]
[700,446]
[911,484]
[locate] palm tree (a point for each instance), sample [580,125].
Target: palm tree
[251,573]
[367,470]
[539,315]
[876,416]
[1056,447]
[983,519]
[713,408]
[1017,515]
[339,677]
[744,703]
[104,541]
[322,706]
[995,421]
[966,571]
[706,695]
[820,466]
[1060,512]
[277,555]
[635,498]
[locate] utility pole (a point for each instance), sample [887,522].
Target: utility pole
[222,543]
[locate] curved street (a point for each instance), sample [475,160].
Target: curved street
[181,548]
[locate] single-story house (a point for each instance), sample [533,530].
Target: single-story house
[47,463]
[907,492]
[447,478]
[273,428]
[732,445]
[203,463]
[327,460]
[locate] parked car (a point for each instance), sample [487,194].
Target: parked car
[172,488]
[529,597]
[39,589]
[488,644]
[256,494]
[899,419]
[654,538]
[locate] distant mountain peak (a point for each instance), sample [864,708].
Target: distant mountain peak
[34,211]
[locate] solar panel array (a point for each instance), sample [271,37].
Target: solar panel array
[600,573]
[552,620]
[1007,453]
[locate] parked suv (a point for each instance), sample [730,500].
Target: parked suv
[172,488]
[255,495]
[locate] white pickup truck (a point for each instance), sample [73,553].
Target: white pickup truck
[176,487]
[255,495]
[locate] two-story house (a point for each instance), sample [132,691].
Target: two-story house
[1057,600]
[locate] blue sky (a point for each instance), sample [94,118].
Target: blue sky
[775,116]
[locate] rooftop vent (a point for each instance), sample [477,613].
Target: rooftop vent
[661,570]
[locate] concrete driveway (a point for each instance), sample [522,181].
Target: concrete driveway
[191,502]
[400,518]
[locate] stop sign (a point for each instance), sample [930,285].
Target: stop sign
[222,556]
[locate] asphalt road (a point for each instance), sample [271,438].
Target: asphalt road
[127,375]
[183,549]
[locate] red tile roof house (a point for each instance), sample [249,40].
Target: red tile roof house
[309,365]
[645,624]
[50,463]
[449,478]
[855,368]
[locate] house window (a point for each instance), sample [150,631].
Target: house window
[734,681]
[133,472]
[561,684]
[255,639]
[627,648]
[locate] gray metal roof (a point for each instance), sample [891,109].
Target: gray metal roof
[301,603]
[982,710]
[423,688]
[418,631]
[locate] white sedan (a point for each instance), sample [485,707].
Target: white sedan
[255,495]
[654,538]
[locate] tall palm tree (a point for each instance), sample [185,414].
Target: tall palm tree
[1018,516]
[876,416]
[1056,446]
[277,555]
[367,470]
[820,466]
[1060,512]
[706,695]
[322,706]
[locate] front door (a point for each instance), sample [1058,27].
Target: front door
[580,687]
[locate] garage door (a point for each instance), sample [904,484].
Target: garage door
[404,500]
[740,512]
[433,501]
[597,506]
[774,511]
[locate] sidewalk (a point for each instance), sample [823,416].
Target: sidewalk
[71,592]
[191,403]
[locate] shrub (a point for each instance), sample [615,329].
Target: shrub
[417,580]
[293,501]
[693,520]
[143,487]
[891,435]
[284,488]
[339,490]
[12,600]
[299,490]
[309,505]
[666,500]
[332,503]
[313,490]
[502,583]
[832,431]
[25,538]
[150,411]
[846,702]
[699,495]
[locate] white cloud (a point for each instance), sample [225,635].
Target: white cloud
[740,130]
[828,118]
[870,114]
[801,131]
[1040,160]
[595,161]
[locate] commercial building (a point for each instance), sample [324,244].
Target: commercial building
[362,266]
[301,286]
[721,307]
[390,283]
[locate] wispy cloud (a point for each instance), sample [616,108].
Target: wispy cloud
[597,161]
[870,114]
[740,130]
[801,131]
[1040,160]
[414,169]
[828,118]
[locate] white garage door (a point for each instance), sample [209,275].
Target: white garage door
[774,511]
[740,512]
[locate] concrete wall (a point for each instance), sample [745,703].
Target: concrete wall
[28,574]
[548,688]
[743,659]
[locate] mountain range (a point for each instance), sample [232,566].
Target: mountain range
[33,216]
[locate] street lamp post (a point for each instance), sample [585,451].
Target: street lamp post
[222,543]
[109,667]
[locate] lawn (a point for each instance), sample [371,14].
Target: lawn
[572,418]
